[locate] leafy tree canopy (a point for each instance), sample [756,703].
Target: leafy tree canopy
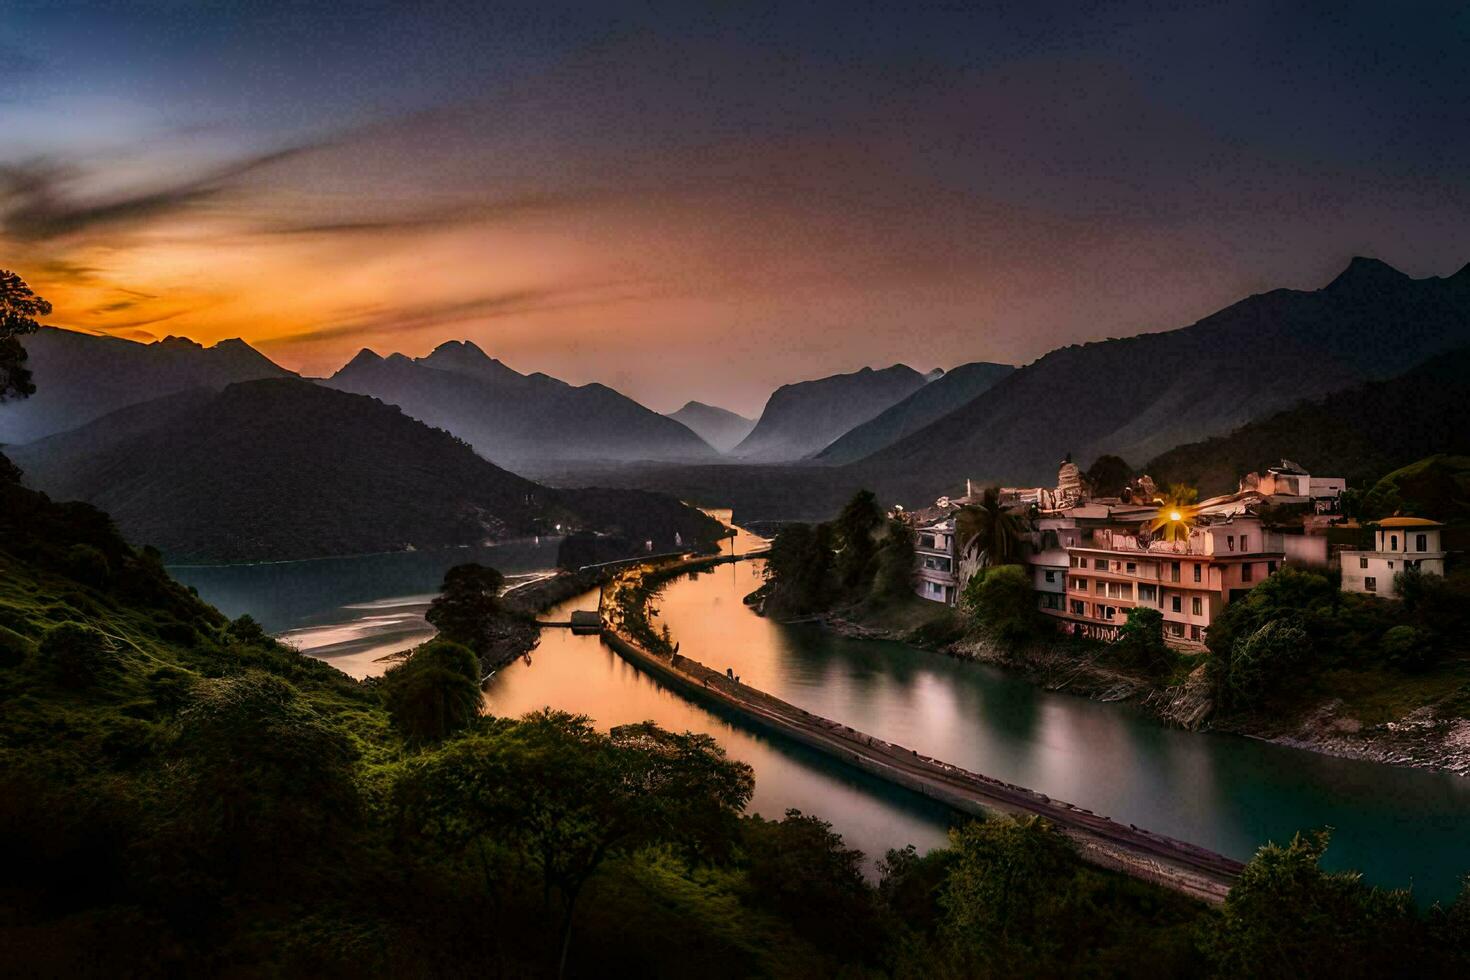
[19,308]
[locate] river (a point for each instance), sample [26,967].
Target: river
[1230,794]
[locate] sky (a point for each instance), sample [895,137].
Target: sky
[707,201]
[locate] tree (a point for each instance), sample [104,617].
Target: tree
[895,576]
[800,567]
[467,605]
[1002,600]
[435,692]
[79,656]
[570,797]
[855,529]
[1141,640]
[270,783]
[19,308]
[1286,917]
[1007,883]
[1108,476]
[802,871]
[987,531]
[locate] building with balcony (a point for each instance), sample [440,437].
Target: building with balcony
[1116,564]
[1401,544]
[936,561]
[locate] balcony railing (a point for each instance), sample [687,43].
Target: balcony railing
[1108,541]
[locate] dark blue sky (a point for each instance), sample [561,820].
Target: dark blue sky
[835,184]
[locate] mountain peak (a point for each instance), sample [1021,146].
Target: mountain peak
[1363,272]
[363,358]
[465,348]
[178,343]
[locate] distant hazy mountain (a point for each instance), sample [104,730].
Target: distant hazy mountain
[278,469]
[515,419]
[1140,396]
[800,419]
[80,377]
[942,395]
[1359,434]
[719,427]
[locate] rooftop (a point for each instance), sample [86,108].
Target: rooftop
[1409,522]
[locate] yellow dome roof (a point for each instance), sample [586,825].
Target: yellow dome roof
[1408,522]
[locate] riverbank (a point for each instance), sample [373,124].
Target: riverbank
[1421,722]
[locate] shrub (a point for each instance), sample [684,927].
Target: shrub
[78,656]
[1002,601]
[1141,641]
[1409,647]
[88,565]
[247,630]
[1260,661]
[434,693]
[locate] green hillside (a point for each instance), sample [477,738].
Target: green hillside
[1437,487]
[1358,434]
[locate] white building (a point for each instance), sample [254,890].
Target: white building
[935,561]
[1401,543]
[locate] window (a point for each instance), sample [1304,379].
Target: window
[1198,571]
[1100,587]
[1247,572]
[1178,604]
[1270,568]
[1230,541]
[1120,590]
[1051,576]
[1393,542]
[926,541]
[1196,606]
[1133,567]
[1370,583]
[1421,542]
[1194,633]
[1174,572]
[1079,584]
[935,588]
[1148,593]
[1106,612]
[1050,600]
[1078,607]
[1243,546]
[1362,563]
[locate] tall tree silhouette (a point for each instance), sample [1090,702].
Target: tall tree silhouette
[19,307]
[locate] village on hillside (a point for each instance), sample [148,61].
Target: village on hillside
[1092,556]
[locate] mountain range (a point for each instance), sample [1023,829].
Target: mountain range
[719,427]
[518,420]
[284,468]
[80,377]
[942,395]
[1140,396]
[803,418]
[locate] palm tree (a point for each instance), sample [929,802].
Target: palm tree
[987,532]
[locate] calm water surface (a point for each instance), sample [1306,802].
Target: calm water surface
[1398,826]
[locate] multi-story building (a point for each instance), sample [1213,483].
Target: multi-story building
[1401,544]
[1115,565]
[936,561]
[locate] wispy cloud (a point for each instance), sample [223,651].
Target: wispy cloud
[425,316]
[35,205]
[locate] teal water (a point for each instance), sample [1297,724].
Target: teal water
[1399,826]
